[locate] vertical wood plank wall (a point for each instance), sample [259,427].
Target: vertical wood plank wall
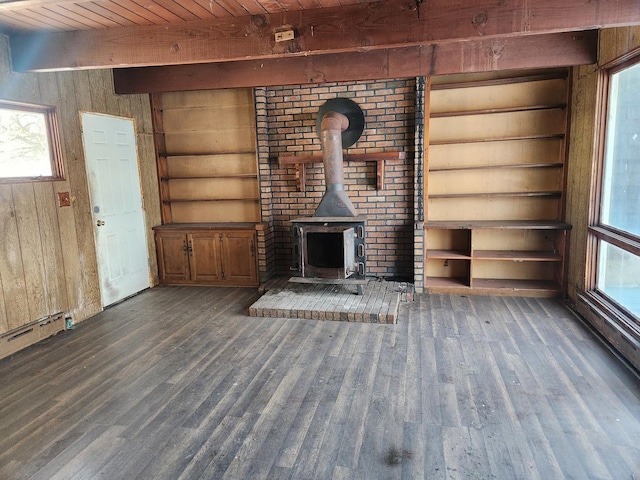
[47,253]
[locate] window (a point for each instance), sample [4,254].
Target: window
[617,227]
[29,145]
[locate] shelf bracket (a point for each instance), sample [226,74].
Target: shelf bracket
[380,158]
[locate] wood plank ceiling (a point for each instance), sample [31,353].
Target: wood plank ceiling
[221,43]
[68,15]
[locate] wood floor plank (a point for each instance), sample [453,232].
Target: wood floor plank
[181,383]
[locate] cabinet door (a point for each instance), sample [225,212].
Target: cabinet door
[173,263]
[204,258]
[239,258]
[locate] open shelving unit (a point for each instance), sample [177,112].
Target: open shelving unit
[207,160]
[518,257]
[495,186]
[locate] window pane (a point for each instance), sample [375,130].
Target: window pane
[24,146]
[621,186]
[619,276]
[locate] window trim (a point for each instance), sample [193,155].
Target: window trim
[53,137]
[596,231]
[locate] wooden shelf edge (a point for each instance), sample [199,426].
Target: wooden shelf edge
[447,282]
[187,200]
[490,167]
[300,162]
[516,256]
[497,224]
[496,195]
[436,254]
[213,154]
[240,175]
[353,157]
[489,111]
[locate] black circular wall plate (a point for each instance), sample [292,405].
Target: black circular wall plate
[349,109]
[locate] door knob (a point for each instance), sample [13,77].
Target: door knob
[100,223]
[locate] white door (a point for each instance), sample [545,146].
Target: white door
[116,205]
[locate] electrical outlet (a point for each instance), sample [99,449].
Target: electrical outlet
[285,35]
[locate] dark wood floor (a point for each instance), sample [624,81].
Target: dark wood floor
[179,383]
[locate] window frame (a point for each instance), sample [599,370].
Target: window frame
[53,137]
[598,232]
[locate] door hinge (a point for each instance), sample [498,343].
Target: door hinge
[253,248]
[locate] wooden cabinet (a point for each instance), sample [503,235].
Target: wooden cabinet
[207,254]
[495,185]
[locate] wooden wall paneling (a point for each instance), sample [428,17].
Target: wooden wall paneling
[81,268]
[231,164]
[617,42]
[468,128]
[222,211]
[226,140]
[494,208]
[204,118]
[159,141]
[210,98]
[501,96]
[60,221]
[51,247]
[580,171]
[150,192]
[31,250]
[499,180]
[521,240]
[98,87]
[11,267]
[4,325]
[213,188]
[486,154]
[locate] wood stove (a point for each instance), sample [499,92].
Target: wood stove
[330,246]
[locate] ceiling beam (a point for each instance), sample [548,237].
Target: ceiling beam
[532,51]
[354,28]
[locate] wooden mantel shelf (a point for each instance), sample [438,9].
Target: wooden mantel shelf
[300,161]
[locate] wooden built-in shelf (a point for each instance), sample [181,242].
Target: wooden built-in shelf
[496,151]
[300,161]
[465,255]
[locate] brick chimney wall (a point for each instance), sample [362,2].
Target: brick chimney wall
[286,125]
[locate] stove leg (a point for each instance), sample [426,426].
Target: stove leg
[360,289]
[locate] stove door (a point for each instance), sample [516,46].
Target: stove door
[348,239]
